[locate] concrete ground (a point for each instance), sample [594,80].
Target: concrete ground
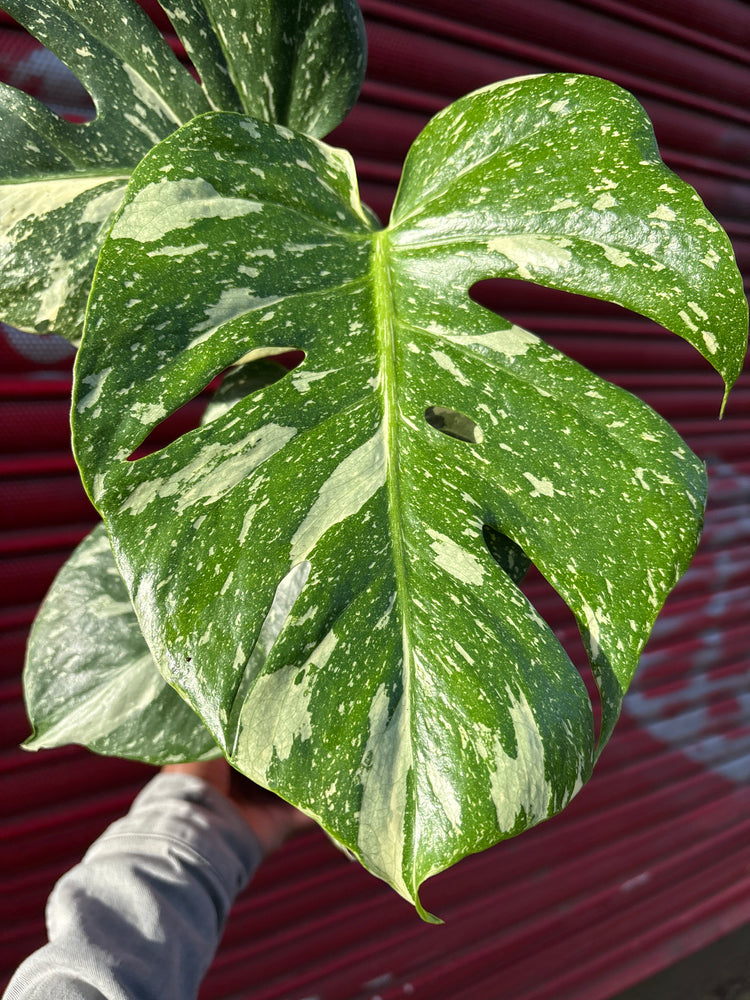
[719,972]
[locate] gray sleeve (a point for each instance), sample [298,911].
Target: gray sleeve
[140,917]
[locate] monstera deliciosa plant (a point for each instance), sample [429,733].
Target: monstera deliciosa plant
[321,581]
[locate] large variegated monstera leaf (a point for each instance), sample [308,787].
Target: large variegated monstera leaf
[412,700]
[296,62]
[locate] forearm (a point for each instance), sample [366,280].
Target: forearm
[141,916]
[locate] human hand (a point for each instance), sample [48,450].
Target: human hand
[270,818]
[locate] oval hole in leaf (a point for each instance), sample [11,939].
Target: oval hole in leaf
[454,424]
[221,393]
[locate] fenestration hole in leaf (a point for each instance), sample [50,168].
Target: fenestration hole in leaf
[49,80]
[509,556]
[593,332]
[222,392]
[454,424]
[530,304]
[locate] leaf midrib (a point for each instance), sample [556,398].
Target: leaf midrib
[382,282]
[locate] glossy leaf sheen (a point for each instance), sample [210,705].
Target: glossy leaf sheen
[90,677]
[412,700]
[300,64]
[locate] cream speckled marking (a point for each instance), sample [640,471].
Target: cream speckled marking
[38,198]
[302,380]
[217,478]
[711,259]
[604,201]
[639,475]
[541,252]
[213,472]
[561,204]
[163,207]
[519,782]
[287,592]
[342,160]
[148,412]
[620,258]
[697,310]
[710,341]
[456,560]
[445,793]
[380,836]
[351,484]
[97,384]
[177,251]
[513,342]
[54,295]
[275,713]
[542,487]
[469,659]
[449,366]
[233,302]
[247,522]
[103,206]
[592,626]
[139,124]
[143,91]
[663,212]
[688,321]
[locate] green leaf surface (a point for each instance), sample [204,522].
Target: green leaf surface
[60,181]
[299,63]
[352,512]
[90,677]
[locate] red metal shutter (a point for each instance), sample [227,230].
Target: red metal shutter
[652,860]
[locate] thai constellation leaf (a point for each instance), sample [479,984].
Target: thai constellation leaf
[299,63]
[411,699]
[60,181]
[90,677]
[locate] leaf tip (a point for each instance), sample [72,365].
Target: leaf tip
[727,390]
[429,918]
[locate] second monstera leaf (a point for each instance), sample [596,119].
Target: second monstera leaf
[90,677]
[297,63]
[412,699]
